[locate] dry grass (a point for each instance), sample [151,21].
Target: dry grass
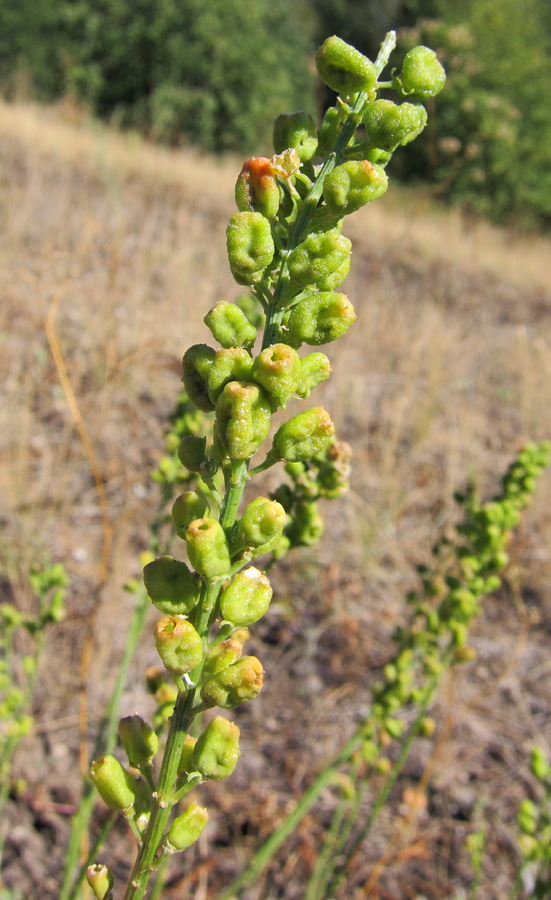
[445,374]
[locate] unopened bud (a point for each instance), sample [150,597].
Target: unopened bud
[243,415]
[229,325]
[100,878]
[277,370]
[232,686]
[138,739]
[352,185]
[113,783]
[207,548]
[320,318]
[297,131]
[344,68]
[250,246]
[186,828]
[247,598]
[171,587]
[178,644]
[217,749]
[304,435]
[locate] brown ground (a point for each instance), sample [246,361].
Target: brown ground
[445,374]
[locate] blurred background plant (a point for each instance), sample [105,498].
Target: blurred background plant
[21,646]
[216,74]
[447,376]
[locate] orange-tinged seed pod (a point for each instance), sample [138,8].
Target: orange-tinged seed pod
[256,189]
[178,644]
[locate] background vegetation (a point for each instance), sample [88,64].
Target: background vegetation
[446,373]
[118,244]
[216,73]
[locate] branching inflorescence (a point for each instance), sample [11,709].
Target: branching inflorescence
[285,244]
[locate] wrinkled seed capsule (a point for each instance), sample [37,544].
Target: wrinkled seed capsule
[178,644]
[343,68]
[247,598]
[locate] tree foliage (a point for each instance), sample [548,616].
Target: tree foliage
[216,73]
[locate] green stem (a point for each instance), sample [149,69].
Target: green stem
[313,891]
[107,735]
[184,712]
[337,878]
[162,800]
[311,201]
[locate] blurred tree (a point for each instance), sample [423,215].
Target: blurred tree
[212,73]
[489,144]
[28,46]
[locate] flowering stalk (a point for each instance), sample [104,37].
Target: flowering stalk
[285,244]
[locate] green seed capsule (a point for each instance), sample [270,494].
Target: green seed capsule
[318,257]
[229,326]
[247,598]
[233,364]
[353,184]
[539,764]
[195,366]
[207,548]
[217,749]
[422,75]
[304,435]
[185,764]
[172,588]
[344,68]
[192,452]
[307,526]
[187,507]
[256,189]
[250,246]
[330,128]
[138,739]
[178,644]
[389,124]
[187,828]
[100,879]
[277,370]
[221,656]
[261,522]
[320,318]
[336,278]
[296,131]
[235,685]
[243,415]
[314,369]
[113,783]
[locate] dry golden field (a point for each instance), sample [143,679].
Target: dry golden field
[120,247]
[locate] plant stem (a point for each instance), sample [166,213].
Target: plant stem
[263,856]
[107,735]
[184,714]
[335,880]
